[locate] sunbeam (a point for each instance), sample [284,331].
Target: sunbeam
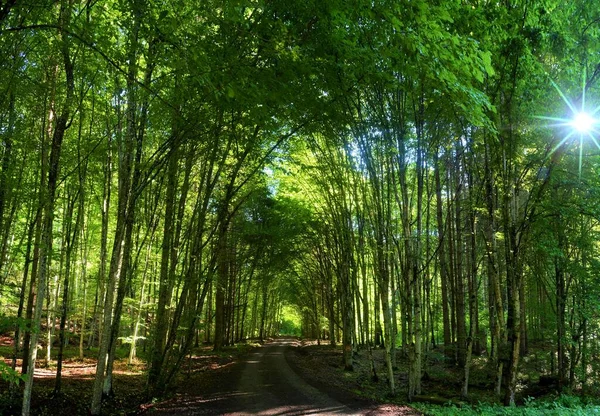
[582,122]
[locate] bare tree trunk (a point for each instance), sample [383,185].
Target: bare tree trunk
[222,274]
[84,277]
[461,330]
[100,288]
[49,200]
[472,289]
[166,276]
[138,318]
[5,190]
[126,155]
[387,324]
[71,234]
[441,228]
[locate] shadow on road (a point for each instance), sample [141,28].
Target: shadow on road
[264,384]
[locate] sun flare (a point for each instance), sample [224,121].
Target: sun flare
[583,122]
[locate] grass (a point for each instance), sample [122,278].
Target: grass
[564,405]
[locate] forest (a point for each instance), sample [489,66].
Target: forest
[411,185]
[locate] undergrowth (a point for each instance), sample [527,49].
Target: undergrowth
[557,406]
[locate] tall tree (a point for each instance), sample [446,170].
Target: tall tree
[49,197]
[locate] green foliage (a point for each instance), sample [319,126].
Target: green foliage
[559,406]
[9,323]
[9,375]
[291,321]
[130,340]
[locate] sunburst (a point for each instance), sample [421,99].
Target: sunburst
[582,122]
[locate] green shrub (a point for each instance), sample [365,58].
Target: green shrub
[564,405]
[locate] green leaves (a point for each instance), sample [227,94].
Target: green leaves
[9,375]
[9,323]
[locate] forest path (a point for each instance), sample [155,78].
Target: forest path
[270,387]
[264,384]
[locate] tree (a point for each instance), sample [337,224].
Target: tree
[49,197]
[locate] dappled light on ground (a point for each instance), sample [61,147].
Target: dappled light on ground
[264,384]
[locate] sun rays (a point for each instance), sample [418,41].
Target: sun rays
[582,122]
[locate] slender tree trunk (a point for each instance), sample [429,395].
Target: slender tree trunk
[222,275]
[49,201]
[5,173]
[416,266]
[513,283]
[461,329]
[71,233]
[31,221]
[387,323]
[560,323]
[263,315]
[442,254]
[82,328]
[348,283]
[472,290]
[33,286]
[126,155]
[166,277]
[208,320]
[137,322]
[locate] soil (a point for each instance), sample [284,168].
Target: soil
[76,389]
[281,377]
[266,382]
[321,366]
[129,382]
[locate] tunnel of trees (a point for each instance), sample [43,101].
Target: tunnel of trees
[376,174]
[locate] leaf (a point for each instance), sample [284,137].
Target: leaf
[9,375]
[486,57]
[230,92]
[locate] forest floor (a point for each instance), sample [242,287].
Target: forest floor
[129,385]
[441,382]
[321,365]
[283,376]
[245,379]
[263,383]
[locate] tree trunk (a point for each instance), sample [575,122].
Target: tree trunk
[442,254]
[461,329]
[49,202]
[126,155]
[71,234]
[32,222]
[472,290]
[166,277]
[5,173]
[222,278]
[387,325]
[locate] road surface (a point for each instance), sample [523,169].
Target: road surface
[264,384]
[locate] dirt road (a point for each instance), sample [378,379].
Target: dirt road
[264,384]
